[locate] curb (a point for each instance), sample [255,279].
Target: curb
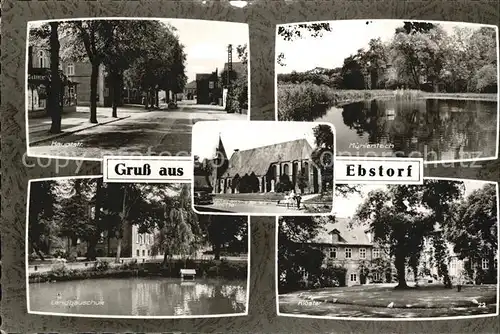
[69,132]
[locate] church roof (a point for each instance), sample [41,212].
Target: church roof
[351,234]
[258,160]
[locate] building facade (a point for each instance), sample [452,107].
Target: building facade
[207,88]
[190,90]
[261,169]
[351,246]
[39,83]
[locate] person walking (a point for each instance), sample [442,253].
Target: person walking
[298,198]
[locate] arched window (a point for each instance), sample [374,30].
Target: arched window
[286,169]
[140,238]
[42,63]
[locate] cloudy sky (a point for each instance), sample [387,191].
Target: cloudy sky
[246,135]
[346,206]
[345,39]
[205,43]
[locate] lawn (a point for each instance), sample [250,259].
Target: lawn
[251,196]
[371,301]
[326,198]
[427,296]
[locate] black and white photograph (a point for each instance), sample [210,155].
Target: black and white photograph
[263,168]
[393,88]
[121,86]
[131,250]
[395,252]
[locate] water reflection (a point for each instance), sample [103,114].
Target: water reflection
[430,128]
[140,297]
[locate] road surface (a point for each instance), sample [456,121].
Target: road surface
[249,208]
[160,132]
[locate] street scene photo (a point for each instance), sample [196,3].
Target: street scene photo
[393,251]
[263,168]
[130,86]
[393,88]
[131,250]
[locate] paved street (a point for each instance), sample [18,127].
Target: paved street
[248,208]
[160,132]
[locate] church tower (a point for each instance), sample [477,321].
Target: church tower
[219,166]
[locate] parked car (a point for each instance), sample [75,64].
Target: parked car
[202,197]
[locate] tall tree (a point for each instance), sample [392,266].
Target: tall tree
[473,227]
[322,156]
[91,35]
[55,93]
[402,216]
[42,228]
[222,230]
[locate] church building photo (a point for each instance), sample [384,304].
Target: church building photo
[244,167]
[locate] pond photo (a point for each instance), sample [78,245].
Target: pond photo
[394,251]
[131,250]
[393,88]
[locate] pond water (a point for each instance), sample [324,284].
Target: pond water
[152,296]
[433,129]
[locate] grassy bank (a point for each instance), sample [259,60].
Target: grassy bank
[204,268]
[308,102]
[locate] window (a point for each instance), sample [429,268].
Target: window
[137,253]
[484,264]
[143,252]
[42,63]
[333,253]
[149,252]
[376,253]
[348,253]
[453,264]
[140,239]
[70,69]
[362,253]
[353,278]
[376,277]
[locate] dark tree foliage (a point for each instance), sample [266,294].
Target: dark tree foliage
[322,156]
[412,27]
[291,32]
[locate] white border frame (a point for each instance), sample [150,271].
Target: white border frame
[112,18]
[276,274]
[26,250]
[495,157]
[265,214]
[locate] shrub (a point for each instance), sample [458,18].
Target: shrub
[101,265]
[284,185]
[232,100]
